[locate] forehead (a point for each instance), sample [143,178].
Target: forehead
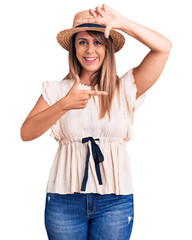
[84,35]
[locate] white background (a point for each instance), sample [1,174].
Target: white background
[160,150]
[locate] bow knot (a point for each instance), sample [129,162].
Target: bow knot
[97,156]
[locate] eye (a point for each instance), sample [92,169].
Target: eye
[98,43]
[82,42]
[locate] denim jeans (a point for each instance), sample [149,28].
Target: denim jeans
[89,216]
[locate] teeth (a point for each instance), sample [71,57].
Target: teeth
[90,59]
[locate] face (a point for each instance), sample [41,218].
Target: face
[89,51]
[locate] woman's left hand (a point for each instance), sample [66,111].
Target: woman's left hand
[105,16]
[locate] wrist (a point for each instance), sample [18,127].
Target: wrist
[124,24]
[63,104]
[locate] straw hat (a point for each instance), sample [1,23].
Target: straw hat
[64,37]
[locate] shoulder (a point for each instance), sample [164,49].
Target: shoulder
[56,86]
[129,89]
[127,82]
[53,91]
[128,77]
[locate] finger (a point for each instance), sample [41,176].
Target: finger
[77,80]
[107,31]
[104,6]
[101,93]
[99,11]
[93,12]
[95,92]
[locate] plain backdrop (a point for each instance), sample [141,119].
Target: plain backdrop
[160,150]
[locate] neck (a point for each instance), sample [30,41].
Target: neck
[85,77]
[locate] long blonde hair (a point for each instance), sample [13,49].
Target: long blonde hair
[105,77]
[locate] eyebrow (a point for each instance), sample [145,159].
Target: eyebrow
[82,38]
[86,39]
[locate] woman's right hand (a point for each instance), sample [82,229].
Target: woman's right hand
[77,98]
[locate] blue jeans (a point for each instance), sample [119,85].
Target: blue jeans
[89,216]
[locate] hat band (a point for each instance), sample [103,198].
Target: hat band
[90,25]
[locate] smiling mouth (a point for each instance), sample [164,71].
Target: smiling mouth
[90,59]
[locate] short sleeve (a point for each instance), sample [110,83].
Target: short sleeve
[52,93]
[130,90]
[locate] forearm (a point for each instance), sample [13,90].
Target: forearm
[38,124]
[154,40]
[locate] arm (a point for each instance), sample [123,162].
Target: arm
[149,70]
[41,118]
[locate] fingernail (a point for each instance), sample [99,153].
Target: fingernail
[106,93]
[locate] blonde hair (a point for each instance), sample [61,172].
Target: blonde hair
[105,77]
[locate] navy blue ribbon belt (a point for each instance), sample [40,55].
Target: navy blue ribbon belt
[97,156]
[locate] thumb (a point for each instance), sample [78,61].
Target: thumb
[107,31]
[77,80]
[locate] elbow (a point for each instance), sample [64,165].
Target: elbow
[168,47]
[27,134]
[24,139]
[165,48]
[23,134]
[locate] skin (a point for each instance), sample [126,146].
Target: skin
[149,70]
[88,46]
[42,116]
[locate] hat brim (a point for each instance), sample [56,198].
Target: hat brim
[64,37]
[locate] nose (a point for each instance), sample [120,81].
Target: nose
[90,48]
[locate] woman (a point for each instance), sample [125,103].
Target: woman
[90,191]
